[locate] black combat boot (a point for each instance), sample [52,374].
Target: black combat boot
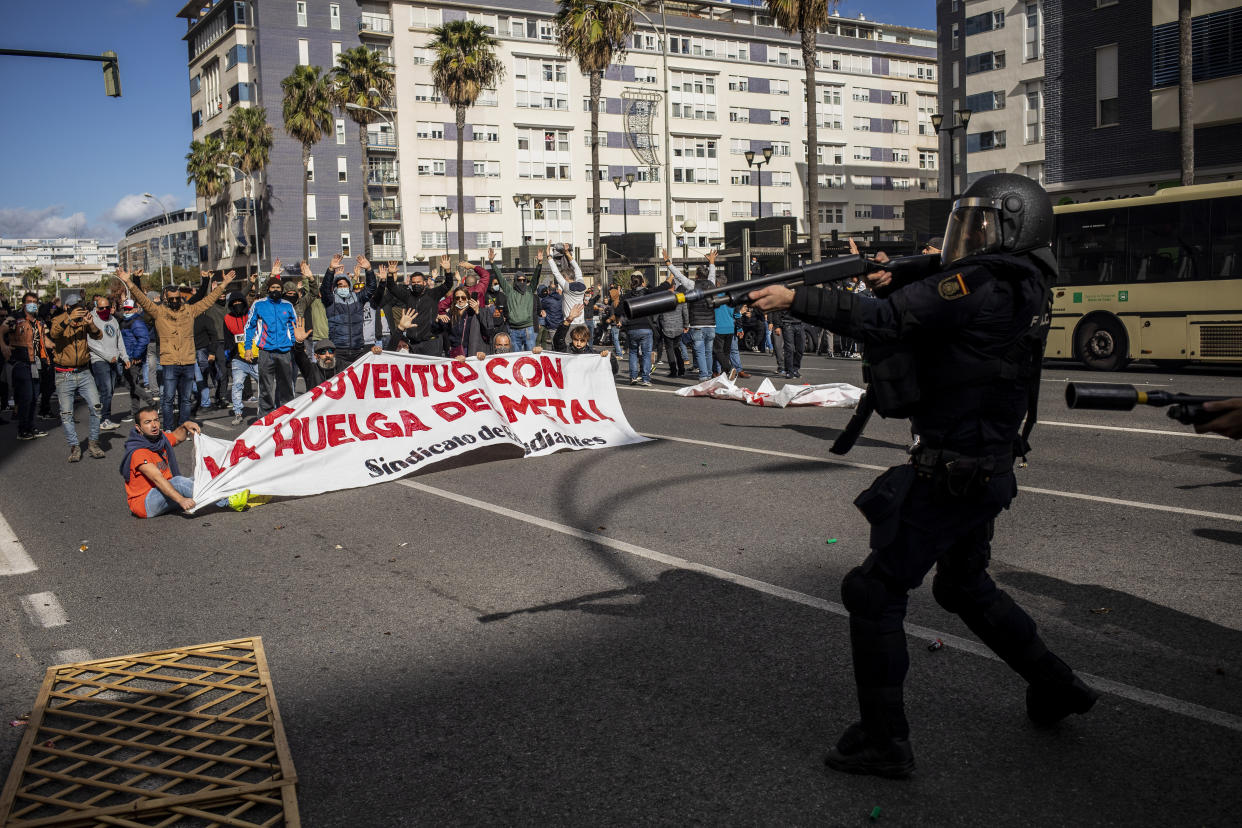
[879,745]
[1049,702]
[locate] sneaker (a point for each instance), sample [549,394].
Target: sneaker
[237,420]
[94,450]
[855,356]
[128,418]
[239,501]
[856,753]
[796,375]
[25,435]
[634,381]
[38,432]
[75,454]
[108,425]
[1047,704]
[646,383]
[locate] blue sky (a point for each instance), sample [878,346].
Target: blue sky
[75,162]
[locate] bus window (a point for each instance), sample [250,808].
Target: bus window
[1091,247]
[1227,238]
[1168,242]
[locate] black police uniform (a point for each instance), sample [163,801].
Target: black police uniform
[968,330]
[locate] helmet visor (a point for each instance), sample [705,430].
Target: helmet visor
[974,227]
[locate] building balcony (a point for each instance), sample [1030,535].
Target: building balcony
[374,24]
[382,177]
[381,141]
[386,252]
[385,215]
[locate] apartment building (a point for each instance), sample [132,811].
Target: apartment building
[74,261]
[992,65]
[736,85]
[154,242]
[1113,93]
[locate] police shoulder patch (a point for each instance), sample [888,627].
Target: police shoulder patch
[953,287]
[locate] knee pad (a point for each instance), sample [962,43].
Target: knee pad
[864,594]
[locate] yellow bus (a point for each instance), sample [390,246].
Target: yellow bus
[1155,278]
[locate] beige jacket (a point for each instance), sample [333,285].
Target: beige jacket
[176,327]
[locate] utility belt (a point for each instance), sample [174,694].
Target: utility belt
[60,369]
[959,475]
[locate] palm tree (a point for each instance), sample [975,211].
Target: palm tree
[209,181]
[362,77]
[465,65]
[248,135]
[594,33]
[1186,86]
[307,112]
[807,17]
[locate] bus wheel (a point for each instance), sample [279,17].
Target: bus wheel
[1101,344]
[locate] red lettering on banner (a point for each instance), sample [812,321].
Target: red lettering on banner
[412,424]
[523,406]
[450,410]
[474,400]
[359,382]
[559,405]
[334,424]
[421,372]
[302,429]
[293,444]
[440,378]
[401,380]
[213,468]
[275,415]
[553,372]
[463,373]
[241,451]
[579,413]
[379,381]
[335,387]
[599,413]
[379,424]
[361,435]
[536,374]
[494,363]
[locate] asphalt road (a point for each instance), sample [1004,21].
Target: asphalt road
[651,635]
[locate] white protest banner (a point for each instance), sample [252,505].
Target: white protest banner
[389,414]
[827,395]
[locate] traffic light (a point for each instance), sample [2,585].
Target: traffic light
[112,75]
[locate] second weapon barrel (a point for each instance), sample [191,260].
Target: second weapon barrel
[1102,396]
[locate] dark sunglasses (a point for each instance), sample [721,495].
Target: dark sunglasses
[327,351]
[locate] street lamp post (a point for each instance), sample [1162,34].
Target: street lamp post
[445,213]
[520,200]
[250,197]
[625,204]
[751,162]
[687,227]
[164,237]
[354,107]
[963,116]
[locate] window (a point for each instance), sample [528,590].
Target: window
[336,51]
[986,22]
[488,238]
[693,96]
[780,87]
[334,16]
[649,207]
[430,129]
[541,83]
[239,12]
[345,251]
[312,244]
[422,56]
[927,160]
[310,168]
[983,141]
[434,239]
[300,6]
[487,169]
[340,131]
[543,153]
[738,83]
[431,166]
[956,34]
[196,83]
[1034,33]
[303,52]
[780,148]
[343,202]
[488,205]
[237,54]
[488,134]
[422,17]
[984,62]
[741,177]
[312,212]
[1108,104]
[424,92]
[342,170]
[985,101]
[782,179]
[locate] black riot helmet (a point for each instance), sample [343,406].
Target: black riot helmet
[999,213]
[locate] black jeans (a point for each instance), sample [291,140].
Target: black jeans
[794,344]
[24,395]
[275,380]
[672,350]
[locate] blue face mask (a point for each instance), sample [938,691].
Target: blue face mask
[343,292]
[32,307]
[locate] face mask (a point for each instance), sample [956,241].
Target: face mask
[32,307]
[104,313]
[417,289]
[173,303]
[343,292]
[520,287]
[273,295]
[578,349]
[238,309]
[291,298]
[503,349]
[495,288]
[460,305]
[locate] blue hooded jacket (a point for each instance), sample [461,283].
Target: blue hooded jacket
[136,334]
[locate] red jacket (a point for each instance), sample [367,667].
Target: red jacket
[478,292]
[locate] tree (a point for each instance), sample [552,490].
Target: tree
[465,65]
[594,34]
[210,182]
[364,78]
[1186,94]
[307,112]
[248,134]
[807,17]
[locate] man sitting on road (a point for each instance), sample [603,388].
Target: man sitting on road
[153,481]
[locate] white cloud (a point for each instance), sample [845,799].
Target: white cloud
[51,222]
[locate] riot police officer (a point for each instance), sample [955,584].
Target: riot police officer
[963,348]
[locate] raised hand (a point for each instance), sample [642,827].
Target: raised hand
[444,262]
[336,261]
[276,269]
[357,272]
[664,254]
[392,266]
[711,256]
[230,276]
[362,261]
[539,256]
[569,254]
[382,271]
[491,255]
[473,305]
[406,319]
[299,330]
[305,270]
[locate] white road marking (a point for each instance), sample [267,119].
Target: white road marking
[1186,433]
[44,609]
[215,424]
[71,656]
[13,557]
[1134,504]
[1125,691]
